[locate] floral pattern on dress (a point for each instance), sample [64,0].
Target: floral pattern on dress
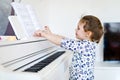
[82,66]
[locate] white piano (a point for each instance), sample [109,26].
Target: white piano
[33,59]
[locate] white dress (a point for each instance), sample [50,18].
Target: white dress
[82,66]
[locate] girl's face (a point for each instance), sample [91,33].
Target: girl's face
[80,33]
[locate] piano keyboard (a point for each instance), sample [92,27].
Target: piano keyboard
[33,60]
[37,67]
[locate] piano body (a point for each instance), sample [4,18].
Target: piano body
[33,59]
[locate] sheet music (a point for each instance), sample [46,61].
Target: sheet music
[27,18]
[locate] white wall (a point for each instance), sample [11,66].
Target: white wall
[62,15]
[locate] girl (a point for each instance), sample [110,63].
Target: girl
[88,32]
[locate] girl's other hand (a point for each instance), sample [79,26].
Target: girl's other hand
[43,33]
[37,33]
[47,30]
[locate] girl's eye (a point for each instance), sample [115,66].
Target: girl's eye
[78,28]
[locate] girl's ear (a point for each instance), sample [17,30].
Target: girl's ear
[88,33]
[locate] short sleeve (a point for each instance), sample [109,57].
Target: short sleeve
[70,44]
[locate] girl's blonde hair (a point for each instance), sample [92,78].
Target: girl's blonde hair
[94,25]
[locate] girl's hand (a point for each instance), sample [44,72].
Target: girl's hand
[47,30]
[42,33]
[46,33]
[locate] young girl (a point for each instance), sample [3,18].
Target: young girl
[88,32]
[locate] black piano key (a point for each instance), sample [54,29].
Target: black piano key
[31,62]
[38,66]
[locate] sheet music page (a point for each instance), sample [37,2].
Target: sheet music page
[27,18]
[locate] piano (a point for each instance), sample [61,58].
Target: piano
[33,59]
